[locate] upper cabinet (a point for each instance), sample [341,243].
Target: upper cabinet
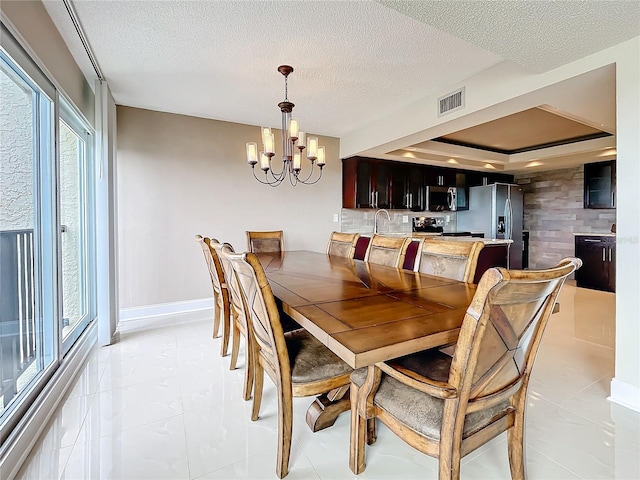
[440,177]
[600,185]
[375,183]
[366,183]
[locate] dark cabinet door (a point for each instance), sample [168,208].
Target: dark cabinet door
[611,270]
[476,179]
[440,177]
[364,185]
[399,186]
[462,191]
[415,188]
[600,185]
[382,185]
[598,262]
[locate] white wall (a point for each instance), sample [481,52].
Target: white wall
[179,176]
[625,387]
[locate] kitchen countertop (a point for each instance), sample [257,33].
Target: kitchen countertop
[486,241]
[418,235]
[594,234]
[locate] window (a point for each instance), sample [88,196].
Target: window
[47,218]
[76,204]
[27,340]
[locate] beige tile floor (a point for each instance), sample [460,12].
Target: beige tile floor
[163,404]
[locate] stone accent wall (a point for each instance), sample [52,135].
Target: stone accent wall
[554,211]
[360,220]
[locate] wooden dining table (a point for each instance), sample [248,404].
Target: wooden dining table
[365,313]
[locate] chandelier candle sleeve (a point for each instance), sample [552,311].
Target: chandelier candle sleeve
[312,148]
[265,132]
[302,140]
[293,129]
[264,162]
[252,153]
[297,163]
[321,159]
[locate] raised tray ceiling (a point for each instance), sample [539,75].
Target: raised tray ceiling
[523,131]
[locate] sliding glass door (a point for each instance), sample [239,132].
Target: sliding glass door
[27,240]
[76,195]
[47,253]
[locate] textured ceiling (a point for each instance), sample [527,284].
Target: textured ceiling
[355,61]
[539,35]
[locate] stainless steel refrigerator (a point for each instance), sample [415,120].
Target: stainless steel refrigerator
[496,210]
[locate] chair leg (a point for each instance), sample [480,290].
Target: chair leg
[358,434]
[372,434]
[285,419]
[515,442]
[216,316]
[235,346]
[249,370]
[257,389]
[226,330]
[448,463]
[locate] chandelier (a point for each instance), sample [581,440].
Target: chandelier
[294,142]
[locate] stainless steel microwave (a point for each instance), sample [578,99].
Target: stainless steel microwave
[441,199]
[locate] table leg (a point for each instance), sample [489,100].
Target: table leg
[322,413]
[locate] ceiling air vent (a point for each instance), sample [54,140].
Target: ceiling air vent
[451,102]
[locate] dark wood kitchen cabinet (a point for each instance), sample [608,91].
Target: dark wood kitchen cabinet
[440,177]
[598,255]
[600,185]
[375,183]
[476,179]
[368,183]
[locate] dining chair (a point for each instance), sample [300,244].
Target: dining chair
[222,312]
[389,251]
[447,407]
[265,242]
[456,260]
[342,244]
[297,363]
[240,327]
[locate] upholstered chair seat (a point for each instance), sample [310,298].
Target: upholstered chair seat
[310,360]
[418,410]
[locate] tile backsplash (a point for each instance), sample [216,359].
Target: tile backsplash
[360,220]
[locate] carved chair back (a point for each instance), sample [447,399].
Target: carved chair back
[389,251]
[265,242]
[342,244]
[451,259]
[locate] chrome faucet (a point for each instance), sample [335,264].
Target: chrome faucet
[375,219]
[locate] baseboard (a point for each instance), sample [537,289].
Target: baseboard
[625,394]
[33,422]
[165,314]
